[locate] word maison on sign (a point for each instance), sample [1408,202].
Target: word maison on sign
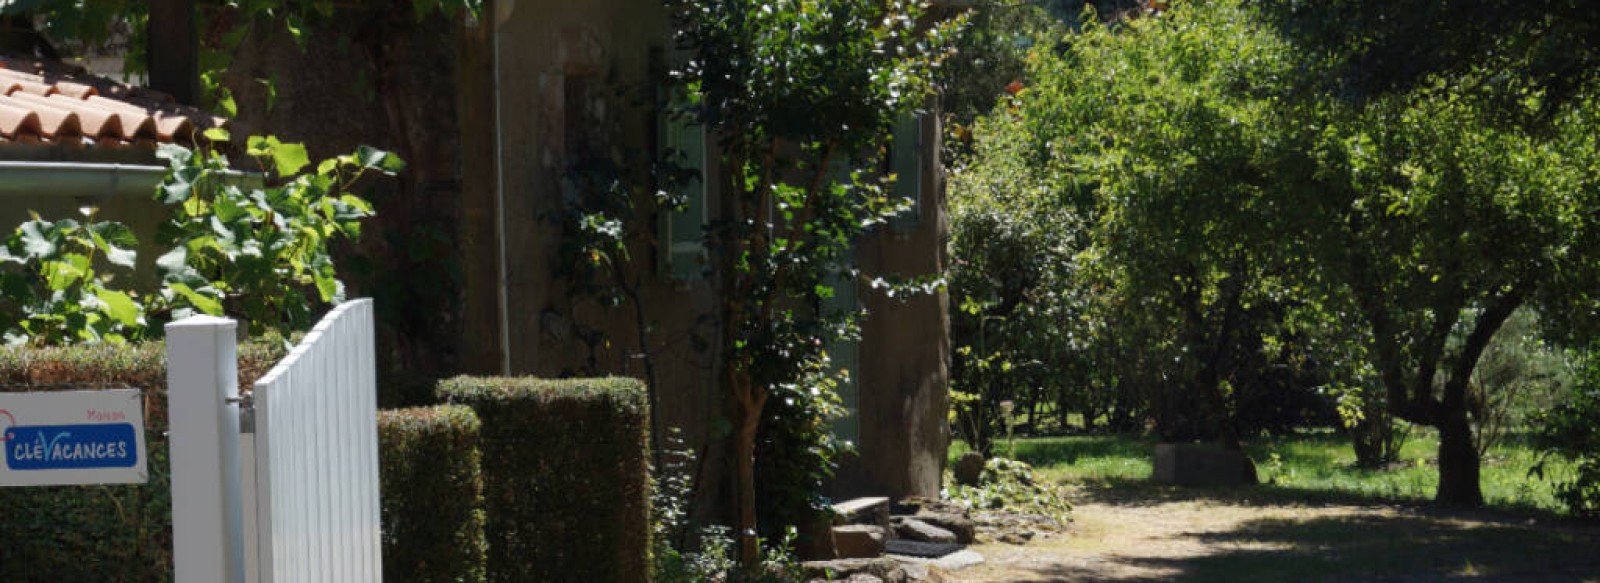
[72,437]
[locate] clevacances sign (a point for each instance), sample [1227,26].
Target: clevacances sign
[72,437]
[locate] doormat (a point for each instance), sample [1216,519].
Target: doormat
[911,548]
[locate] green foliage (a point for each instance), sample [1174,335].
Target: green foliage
[1371,49]
[433,511]
[1178,202]
[1115,233]
[991,54]
[566,476]
[92,22]
[1313,467]
[674,557]
[259,253]
[796,451]
[1517,380]
[804,94]
[1250,230]
[714,561]
[54,290]
[760,78]
[1012,485]
[127,529]
[1571,432]
[1441,213]
[1022,302]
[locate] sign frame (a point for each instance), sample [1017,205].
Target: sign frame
[73,437]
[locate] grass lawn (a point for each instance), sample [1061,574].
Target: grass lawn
[1318,466]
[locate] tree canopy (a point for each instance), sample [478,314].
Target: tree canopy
[1250,185]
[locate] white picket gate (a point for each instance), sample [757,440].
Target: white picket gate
[297,500]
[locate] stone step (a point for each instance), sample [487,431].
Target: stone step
[871,510]
[859,541]
[918,530]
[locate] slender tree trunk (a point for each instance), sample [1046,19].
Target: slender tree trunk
[1458,463]
[744,452]
[749,554]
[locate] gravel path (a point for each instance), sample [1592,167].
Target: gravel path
[1188,538]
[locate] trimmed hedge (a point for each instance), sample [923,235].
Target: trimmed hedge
[566,476]
[100,533]
[432,491]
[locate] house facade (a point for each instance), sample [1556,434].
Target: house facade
[555,86]
[499,123]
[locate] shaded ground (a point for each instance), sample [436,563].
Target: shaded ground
[1128,530]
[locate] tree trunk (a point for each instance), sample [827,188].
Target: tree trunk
[1458,463]
[173,49]
[745,473]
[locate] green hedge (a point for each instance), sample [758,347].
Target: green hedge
[432,492]
[566,476]
[99,533]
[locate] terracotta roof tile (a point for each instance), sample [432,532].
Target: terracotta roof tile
[54,122]
[95,121]
[17,123]
[56,102]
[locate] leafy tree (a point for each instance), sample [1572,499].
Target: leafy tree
[1157,131]
[794,90]
[1367,49]
[1020,306]
[991,54]
[1474,96]
[1228,191]
[1443,213]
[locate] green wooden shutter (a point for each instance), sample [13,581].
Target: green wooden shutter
[906,162]
[683,251]
[846,355]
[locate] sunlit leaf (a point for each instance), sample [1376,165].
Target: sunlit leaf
[206,304]
[119,306]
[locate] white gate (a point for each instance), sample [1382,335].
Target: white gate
[298,500]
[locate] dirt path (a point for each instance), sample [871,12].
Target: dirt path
[1184,538]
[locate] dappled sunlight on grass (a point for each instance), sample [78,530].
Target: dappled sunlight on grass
[1314,467]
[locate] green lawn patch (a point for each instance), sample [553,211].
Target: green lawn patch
[1318,466]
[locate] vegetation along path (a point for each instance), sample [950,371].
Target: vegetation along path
[1129,532]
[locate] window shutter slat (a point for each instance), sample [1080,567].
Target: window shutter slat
[683,229]
[907,166]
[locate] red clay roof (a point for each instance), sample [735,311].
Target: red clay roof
[51,102]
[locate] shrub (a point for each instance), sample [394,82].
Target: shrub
[125,529]
[1571,431]
[1011,484]
[433,517]
[566,476]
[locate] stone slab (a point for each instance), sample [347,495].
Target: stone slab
[859,541]
[1184,464]
[872,510]
[918,530]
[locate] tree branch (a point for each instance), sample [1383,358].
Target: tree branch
[1489,322]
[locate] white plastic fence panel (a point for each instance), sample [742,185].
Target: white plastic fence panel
[202,385]
[316,456]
